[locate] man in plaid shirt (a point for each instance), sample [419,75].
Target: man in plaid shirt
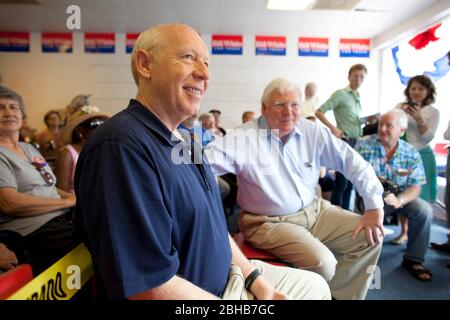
[399,165]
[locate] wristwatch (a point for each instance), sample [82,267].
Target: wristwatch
[400,199]
[251,278]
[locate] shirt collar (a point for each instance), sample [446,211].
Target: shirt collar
[398,150]
[355,92]
[148,118]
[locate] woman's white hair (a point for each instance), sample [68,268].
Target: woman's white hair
[402,118]
[280,85]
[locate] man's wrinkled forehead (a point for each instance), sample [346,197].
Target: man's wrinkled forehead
[389,118]
[291,95]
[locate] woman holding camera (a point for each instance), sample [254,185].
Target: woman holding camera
[423,120]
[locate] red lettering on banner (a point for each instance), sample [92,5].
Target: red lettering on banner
[131,39]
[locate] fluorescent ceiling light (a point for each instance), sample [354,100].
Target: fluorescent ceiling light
[289,4]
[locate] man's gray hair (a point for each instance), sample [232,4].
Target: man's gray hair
[402,118]
[6,93]
[150,41]
[280,85]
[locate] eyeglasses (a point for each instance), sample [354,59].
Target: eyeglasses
[280,105]
[92,124]
[48,178]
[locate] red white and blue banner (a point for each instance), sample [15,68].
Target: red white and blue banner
[130,40]
[313,47]
[270,45]
[14,41]
[227,44]
[425,53]
[57,42]
[99,42]
[355,48]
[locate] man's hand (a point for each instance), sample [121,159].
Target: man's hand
[337,132]
[372,223]
[263,290]
[392,200]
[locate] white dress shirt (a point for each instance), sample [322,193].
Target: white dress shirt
[277,178]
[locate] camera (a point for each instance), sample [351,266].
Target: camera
[388,186]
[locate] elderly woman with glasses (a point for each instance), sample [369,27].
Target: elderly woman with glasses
[30,203]
[79,127]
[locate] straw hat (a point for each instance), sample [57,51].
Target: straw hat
[82,115]
[79,101]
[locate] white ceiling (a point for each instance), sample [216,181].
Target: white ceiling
[250,17]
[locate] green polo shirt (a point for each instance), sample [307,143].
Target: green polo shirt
[346,107]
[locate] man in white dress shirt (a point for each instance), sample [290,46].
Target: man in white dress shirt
[277,159]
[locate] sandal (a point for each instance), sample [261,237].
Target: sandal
[417,270]
[399,240]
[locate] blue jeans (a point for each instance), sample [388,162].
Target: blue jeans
[420,214]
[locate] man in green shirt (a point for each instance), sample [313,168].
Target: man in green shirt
[346,106]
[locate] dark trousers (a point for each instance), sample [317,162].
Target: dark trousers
[420,214]
[14,242]
[343,188]
[49,243]
[342,191]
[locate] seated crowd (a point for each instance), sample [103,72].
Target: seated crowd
[149,190]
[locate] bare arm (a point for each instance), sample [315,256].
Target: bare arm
[175,289]
[410,194]
[63,194]
[25,205]
[63,169]
[337,132]
[260,287]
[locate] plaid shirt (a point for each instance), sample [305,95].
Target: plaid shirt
[405,168]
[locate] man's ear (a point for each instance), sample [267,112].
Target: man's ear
[143,62]
[263,107]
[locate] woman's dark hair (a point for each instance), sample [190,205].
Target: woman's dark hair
[427,83]
[85,126]
[48,114]
[76,135]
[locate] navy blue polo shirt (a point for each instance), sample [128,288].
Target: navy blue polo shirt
[144,216]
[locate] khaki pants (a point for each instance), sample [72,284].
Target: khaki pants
[297,284]
[318,238]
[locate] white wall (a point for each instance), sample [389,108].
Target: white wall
[48,81]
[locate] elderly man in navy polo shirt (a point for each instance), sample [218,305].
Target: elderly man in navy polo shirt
[151,218]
